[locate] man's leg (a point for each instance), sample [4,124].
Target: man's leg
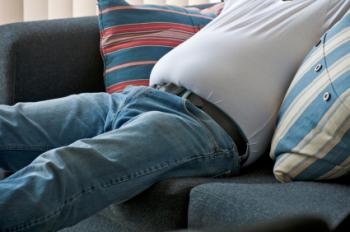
[67,184]
[29,129]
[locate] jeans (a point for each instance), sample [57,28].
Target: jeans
[74,156]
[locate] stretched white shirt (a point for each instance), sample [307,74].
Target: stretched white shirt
[244,60]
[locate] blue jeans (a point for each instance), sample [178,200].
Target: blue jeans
[74,156]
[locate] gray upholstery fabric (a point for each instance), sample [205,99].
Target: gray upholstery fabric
[96,223]
[164,206]
[49,59]
[294,224]
[246,204]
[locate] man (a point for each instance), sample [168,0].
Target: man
[94,149]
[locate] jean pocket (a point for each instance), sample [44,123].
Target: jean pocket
[193,111]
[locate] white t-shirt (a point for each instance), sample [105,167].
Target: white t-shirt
[243,61]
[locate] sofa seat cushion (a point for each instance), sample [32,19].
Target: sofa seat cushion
[240,204]
[96,223]
[165,205]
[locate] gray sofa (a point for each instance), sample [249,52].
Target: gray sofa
[51,59]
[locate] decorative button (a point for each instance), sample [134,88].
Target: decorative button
[326,96]
[318,67]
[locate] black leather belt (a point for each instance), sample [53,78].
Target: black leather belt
[215,113]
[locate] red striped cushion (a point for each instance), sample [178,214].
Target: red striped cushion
[134,38]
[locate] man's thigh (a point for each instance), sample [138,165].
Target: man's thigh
[29,129]
[92,173]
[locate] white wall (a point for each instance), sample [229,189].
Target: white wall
[35,9]
[29,10]
[11,11]
[60,9]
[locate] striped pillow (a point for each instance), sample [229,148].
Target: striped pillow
[312,139]
[134,38]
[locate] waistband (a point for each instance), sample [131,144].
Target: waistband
[215,113]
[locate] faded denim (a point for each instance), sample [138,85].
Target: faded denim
[74,156]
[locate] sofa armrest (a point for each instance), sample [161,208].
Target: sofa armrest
[49,59]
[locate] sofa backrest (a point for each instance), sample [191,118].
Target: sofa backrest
[49,59]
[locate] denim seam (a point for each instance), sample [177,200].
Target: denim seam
[166,164]
[136,94]
[211,135]
[34,222]
[210,156]
[126,101]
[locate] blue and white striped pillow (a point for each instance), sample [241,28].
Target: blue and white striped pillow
[312,138]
